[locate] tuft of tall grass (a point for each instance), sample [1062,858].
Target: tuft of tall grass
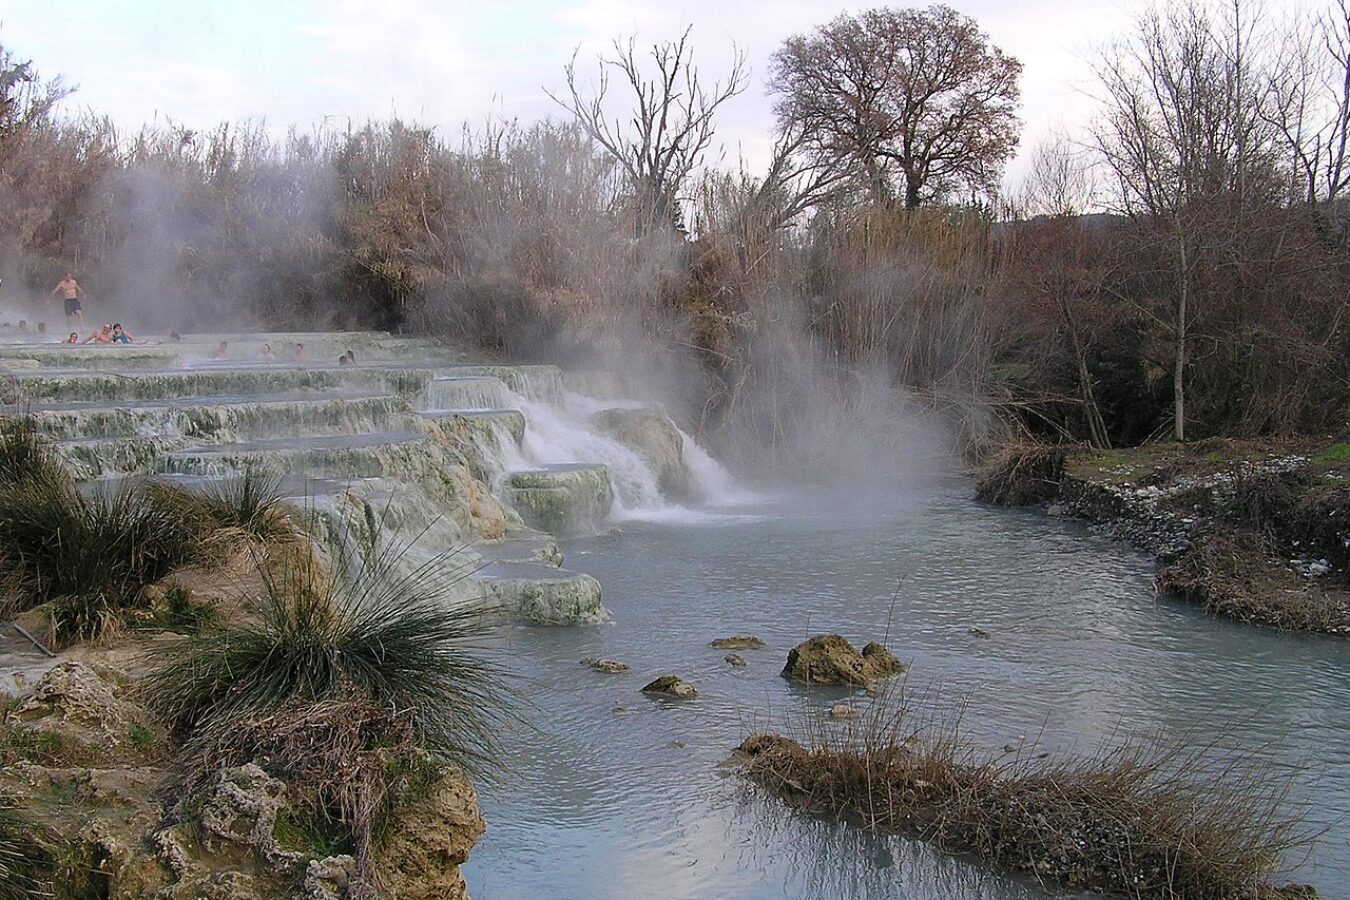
[354,684]
[360,633]
[248,507]
[88,557]
[24,454]
[1144,820]
[22,856]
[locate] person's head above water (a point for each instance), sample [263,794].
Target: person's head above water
[74,338]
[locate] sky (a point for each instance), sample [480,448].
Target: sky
[310,64]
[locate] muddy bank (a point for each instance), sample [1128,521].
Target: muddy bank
[1257,531]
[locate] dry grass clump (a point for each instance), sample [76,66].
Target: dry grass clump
[354,685]
[1021,475]
[22,856]
[1231,574]
[1141,820]
[89,558]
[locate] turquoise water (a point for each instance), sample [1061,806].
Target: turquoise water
[613,794]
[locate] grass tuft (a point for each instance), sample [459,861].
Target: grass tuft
[353,687]
[1142,820]
[88,558]
[363,633]
[22,856]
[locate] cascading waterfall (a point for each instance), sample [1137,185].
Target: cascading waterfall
[562,434]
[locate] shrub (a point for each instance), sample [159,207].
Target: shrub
[362,634]
[1022,475]
[1142,820]
[248,507]
[88,557]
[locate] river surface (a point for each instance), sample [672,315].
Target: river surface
[612,794]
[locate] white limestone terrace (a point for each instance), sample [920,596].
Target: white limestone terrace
[415,443]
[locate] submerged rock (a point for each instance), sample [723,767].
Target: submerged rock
[735,659]
[605,665]
[671,686]
[739,642]
[978,632]
[830,659]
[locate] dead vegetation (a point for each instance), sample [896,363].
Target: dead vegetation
[1022,474]
[1141,820]
[1231,574]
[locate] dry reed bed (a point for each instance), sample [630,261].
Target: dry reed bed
[1142,820]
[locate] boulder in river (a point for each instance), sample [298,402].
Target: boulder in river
[671,686]
[605,665]
[735,659]
[830,659]
[739,642]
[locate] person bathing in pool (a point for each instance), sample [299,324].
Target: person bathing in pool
[119,336]
[102,336]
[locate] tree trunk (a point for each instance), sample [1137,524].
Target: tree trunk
[1179,366]
[911,194]
[1097,434]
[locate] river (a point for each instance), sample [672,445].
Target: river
[612,794]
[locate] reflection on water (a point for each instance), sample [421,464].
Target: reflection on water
[614,794]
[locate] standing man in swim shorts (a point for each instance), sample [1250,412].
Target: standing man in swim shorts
[70,289]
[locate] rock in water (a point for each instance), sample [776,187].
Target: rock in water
[671,686]
[830,659]
[739,642]
[605,665]
[735,659]
[649,433]
[843,711]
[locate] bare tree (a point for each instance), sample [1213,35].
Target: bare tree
[1309,101]
[1056,261]
[671,124]
[1184,135]
[918,97]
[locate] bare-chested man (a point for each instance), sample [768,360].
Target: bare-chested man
[70,290]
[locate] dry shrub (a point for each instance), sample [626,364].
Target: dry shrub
[1021,475]
[1141,820]
[1232,574]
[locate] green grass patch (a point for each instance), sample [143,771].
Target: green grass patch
[1333,455]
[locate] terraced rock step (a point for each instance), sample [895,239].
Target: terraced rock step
[44,387]
[226,418]
[541,383]
[561,499]
[540,594]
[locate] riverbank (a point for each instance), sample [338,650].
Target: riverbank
[1257,531]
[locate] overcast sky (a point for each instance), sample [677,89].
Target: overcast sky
[303,62]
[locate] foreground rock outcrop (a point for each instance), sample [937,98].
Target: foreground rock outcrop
[830,659]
